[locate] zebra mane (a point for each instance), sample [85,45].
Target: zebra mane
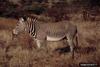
[41,18]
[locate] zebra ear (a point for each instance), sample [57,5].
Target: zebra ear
[21,20]
[29,19]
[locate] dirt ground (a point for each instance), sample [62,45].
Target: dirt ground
[22,51]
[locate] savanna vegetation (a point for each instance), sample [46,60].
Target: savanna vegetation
[21,50]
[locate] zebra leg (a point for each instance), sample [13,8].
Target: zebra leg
[38,42]
[71,44]
[40,39]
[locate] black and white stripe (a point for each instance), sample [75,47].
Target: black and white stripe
[30,23]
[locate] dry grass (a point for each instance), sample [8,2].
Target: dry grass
[22,51]
[6,23]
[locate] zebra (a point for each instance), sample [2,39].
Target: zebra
[47,31]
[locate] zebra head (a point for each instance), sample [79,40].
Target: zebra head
[25,24]
[21,26]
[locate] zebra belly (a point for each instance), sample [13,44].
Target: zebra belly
[50,38]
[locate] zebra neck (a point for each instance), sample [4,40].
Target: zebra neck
[33,34]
